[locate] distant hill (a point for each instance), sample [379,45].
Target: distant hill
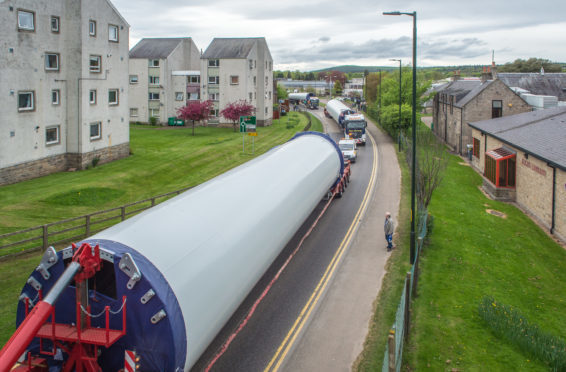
[352,68]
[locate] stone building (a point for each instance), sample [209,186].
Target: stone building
[64,79]
[463,101]
[236,69]
[523,158]
[164,76]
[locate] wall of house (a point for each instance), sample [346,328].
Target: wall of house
[137,92]
[479,108]
[264,84]
[560,217]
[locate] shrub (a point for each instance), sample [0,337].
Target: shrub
[153,120]
[95,161]
[509,323]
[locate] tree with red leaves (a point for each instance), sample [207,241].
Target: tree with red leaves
[195,111]
[234,110]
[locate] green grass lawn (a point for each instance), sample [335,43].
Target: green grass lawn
[162,160]
[472,254]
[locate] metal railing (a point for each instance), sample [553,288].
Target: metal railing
[72,229]
[399,331]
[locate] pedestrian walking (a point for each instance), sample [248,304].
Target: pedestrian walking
[388,227]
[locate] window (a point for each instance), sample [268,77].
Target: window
[95,131]
[214,96]
[52,135]
[213,80]
[250,96]
[234,80]
[92,96]
[194,96]
[496,109]
[179,96]
[25,101]
[194,79]
[112,96]
[113,33]
[26,20]
[269,94]
[153,63]
[133,79]
[213,63]
[154,80]
[52,61]
[270,65]
[95,64]
[251,62]
[55,93]
[476,147]
[266,110]
[255,80]
[153,113]
[55,24]
[266,80]
[214,113]
[153,96]
[92,28]
[500,167]
[133,112]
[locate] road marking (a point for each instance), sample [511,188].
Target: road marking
[305,313]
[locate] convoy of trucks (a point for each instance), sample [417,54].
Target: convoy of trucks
[308,99]
[354,125]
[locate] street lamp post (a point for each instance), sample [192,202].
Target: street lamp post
[379,112]
[414,128]
[399,125]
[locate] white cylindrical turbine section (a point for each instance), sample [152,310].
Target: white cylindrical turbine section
[300,96]
[214,242]
[335,108]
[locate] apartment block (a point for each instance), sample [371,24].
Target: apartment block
[164,76]
[64,86]
[236,69]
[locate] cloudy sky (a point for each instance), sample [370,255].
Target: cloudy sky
[312,34]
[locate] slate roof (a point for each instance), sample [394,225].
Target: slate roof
[541,133]
[459,89]
[155,48]
[231,48]
[549,84]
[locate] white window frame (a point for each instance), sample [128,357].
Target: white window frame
[92,68]
[92,96]
[92,27]
[213,80]
[49,68]
[153,63]
[154,80]
[214,113]
[194,79]
[213,63]
[179,96]
[251,63]
[134,79]
[58,137]
[236,78]
[134,112]
[57,24]
[152,111]
[115,102]
[32,100]
[24,27]
[152,95]
[113,38]
[250,94]
[193,97]
[98,136]
[214,96]
[55,97]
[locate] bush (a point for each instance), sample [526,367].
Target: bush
[509,323]
[95,161]
[153,120]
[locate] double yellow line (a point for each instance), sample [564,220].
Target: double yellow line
[305,313]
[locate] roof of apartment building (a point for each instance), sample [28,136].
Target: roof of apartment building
[231,48]
[156,48]
[541,133]
[546,84]
[463,90]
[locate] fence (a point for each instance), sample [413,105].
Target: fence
[72,229]
[399,332]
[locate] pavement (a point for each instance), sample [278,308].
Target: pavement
[335,336]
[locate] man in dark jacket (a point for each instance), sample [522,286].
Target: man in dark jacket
[388,227]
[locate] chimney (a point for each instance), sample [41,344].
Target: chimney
[493,70]
[456,75]
[485,75]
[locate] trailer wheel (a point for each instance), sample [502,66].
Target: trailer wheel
[340,190]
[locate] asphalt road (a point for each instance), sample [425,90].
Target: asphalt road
[280,335]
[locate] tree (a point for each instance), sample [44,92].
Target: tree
[281,92]
[234,110]
[337,88]
[195,111]
[530,65]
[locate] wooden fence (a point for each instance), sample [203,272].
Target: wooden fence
[73,229]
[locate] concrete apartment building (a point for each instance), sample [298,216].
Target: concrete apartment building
[464,101]
[236,69]
[164,75]
[523,159]
[64,79]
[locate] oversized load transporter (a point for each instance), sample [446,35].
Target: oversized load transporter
[338,110]
[300,97]
[157,288]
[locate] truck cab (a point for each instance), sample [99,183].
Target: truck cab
[355,128]
[349,149]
